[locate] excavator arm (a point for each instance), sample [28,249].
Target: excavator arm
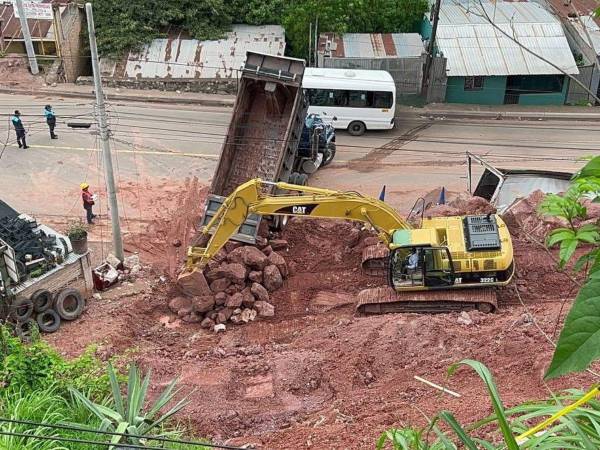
[310,202]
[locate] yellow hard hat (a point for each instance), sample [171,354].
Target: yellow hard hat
[84,185]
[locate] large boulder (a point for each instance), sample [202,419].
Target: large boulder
[179,303]
[220,285]
[224,315]
[255,276]
[192,318]
[278,244]
[231,246]
[234,288]
[193,284]
[248,315]
[248,298]
[207,323]
[220,298]
[259,292]
[272,278]
[234,301]
[235,272]
[277,260]
[203,304]
[264,309]
[250,256]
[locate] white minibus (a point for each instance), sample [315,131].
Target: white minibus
[355,100]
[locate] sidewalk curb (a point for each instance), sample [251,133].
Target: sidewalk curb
[122,97]
[499,115]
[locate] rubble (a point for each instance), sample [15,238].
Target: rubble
[272,278]
[219,327]
[130,261]
[264,309]
[234,287]
[113,260]
[279,244]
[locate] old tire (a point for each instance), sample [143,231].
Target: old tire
[48,321]
[42,300]
[69,304]
[357,128]
[24,330]
[21,309]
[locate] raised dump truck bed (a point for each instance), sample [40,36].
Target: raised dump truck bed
[265,129]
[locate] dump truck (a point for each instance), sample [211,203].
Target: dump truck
[445,264]
[266,127]
[42,279]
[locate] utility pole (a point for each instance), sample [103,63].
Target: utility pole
[431,49]
[27,37]
[104,136]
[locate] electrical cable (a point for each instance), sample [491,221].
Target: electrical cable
[112,433]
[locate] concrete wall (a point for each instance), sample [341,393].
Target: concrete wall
[491,94]
[207,86]
[70,24]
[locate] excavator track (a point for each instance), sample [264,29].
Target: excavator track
[375,260]
[384,300]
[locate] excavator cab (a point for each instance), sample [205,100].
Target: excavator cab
[423,266]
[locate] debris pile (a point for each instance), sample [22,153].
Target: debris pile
[462,205]
[236,285]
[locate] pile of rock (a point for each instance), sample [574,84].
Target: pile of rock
[234,287]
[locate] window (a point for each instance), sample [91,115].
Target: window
[473,83]
[350,99]
[535,84]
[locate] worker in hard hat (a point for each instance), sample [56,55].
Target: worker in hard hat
[88,202]
[50,120]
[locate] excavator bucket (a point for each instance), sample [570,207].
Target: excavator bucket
[386,300]
[375,260]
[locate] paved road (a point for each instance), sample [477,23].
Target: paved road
[157,144]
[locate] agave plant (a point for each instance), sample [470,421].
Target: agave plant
[128,415]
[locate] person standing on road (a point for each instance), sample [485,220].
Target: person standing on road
[50,120]
[88,202]
[19,129]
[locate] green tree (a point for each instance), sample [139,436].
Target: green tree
[257,12]
[354,16]
[579,342]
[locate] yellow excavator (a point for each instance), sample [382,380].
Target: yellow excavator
[448,263]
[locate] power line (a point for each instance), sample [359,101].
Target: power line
[112,433]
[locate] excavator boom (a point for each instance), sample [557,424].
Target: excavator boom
[311,202]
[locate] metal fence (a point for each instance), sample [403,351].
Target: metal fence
[406,72]
[576,94]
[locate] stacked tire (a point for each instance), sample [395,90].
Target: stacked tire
[46,310]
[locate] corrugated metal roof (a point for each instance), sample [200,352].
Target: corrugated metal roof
[190,58]
[591,28]
[11,26]
[373,45]
[474,47]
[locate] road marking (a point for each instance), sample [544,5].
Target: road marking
[138,152]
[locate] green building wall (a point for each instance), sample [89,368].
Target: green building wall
[552,98]
[491,94]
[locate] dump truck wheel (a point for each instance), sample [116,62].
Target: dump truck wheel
[48,321]
[302,179]
[69,304]
[328,154]
[21,309]
[357,128]
[42,300]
